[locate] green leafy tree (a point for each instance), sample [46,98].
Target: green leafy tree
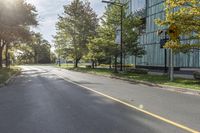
[78,22]
[62,44]
[101,49]
[15,19]
[41,49]
[133,26]
[36,50]
[24,54]
[111,21]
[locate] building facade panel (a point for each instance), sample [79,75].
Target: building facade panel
[151,41]
[154,54]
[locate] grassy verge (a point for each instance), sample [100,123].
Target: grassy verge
[164,80]
[6,73]
[156,79]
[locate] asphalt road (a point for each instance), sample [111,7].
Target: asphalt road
[179,107]
[38,101]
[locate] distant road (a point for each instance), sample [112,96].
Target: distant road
[40,101]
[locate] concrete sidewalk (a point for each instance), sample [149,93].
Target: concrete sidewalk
[186,73]
[185,76]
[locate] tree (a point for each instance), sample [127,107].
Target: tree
[44,52]
[133,26]
[15,19]
[24,54]
[111,21]
[62,45]
[79,22]
[182,18]
[40,48]
[35,43]
[37,50]
[100,49]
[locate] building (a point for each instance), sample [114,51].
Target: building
[151,41]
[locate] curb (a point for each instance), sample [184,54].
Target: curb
[11,78]
[163,87]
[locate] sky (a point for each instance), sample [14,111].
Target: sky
[48,11]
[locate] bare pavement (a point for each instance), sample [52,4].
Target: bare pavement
[45,99]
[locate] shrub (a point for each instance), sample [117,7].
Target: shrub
[139,71]
[88,66]
[196,75]
[104,65]
[124,65]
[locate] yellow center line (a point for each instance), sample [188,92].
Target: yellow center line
[134,107]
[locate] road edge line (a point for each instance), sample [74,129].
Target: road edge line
[134,107]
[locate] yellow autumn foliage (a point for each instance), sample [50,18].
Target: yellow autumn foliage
[186,16]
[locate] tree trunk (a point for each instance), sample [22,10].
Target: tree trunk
[6,55]
[96,64]
[2,44]
[76,63]
[1,57]
[116,63]
[125,62]
[93,64]
[135,61]
[110,66]
[1,52]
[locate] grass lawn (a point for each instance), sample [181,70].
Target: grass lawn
[164,80]
[6,73]
[157,79]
